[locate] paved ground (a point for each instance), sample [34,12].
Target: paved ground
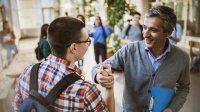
[27,56]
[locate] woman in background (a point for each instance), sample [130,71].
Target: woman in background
[81,18]
[8,41]
[99,35]
[43,44]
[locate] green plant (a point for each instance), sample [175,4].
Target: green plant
[116,9]
[113,44]
[88,9]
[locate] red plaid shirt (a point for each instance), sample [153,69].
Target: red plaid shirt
[80,96]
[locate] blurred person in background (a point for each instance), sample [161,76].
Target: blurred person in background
[43,43]
[66,13]
[81,18]
[99,35]
[8,41]
[133,32]
[176,34]
[89,58]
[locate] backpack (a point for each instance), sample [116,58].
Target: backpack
[129,27]
[36,102]
[38,52]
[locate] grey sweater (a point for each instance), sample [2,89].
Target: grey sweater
[139,75]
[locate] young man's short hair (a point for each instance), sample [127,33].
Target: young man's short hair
[62,32]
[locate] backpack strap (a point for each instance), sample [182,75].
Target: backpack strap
[56,90]
[141,29]
[34,77]
[128,29]
[33,89]
[61,86]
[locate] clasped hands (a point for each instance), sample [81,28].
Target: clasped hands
[105,77]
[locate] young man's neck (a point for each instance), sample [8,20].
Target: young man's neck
[69,58]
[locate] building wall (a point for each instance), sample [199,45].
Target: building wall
[141,5]
[15,19]
[30,17]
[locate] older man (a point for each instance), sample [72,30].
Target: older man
[151,63]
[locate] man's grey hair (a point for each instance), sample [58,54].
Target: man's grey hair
[166,14]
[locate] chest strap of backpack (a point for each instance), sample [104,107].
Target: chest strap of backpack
[56,90]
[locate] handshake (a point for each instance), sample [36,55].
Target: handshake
[105,77]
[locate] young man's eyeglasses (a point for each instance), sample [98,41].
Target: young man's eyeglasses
[88,41]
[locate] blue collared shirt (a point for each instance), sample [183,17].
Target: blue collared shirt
[177,33]
[157,61]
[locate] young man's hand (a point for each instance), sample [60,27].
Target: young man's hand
[105,77]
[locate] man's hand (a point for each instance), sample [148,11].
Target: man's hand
[105,77]
[167,110]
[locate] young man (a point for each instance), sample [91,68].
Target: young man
[151,63]
[69,41]
[133,32]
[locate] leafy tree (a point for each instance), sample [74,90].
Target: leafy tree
[90,11]
[116,9]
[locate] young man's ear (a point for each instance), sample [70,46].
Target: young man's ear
[72,48]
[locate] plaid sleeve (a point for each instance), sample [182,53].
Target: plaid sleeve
[94,101]
[18,97]
[21,83]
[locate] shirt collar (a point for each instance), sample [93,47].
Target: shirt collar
[63,62]
[167,49]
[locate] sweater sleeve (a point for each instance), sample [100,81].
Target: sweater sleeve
[182,89]
[116,61]
[91,35]
[108,31]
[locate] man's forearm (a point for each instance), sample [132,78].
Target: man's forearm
[110,101]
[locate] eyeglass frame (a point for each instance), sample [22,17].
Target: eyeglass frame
[88,41]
